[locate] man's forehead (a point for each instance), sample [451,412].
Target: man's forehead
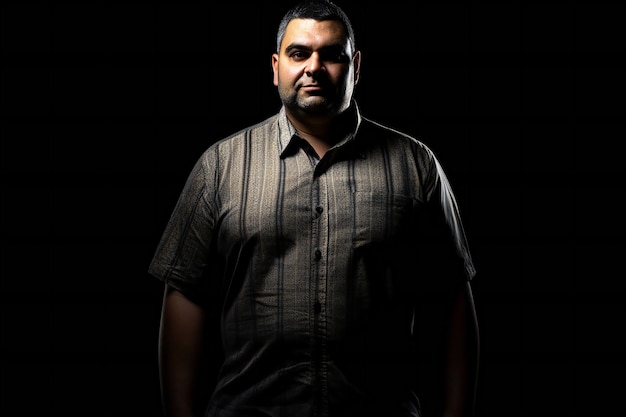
[315,33]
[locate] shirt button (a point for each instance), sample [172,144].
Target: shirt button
[319,209]
[318,255]
[317,307]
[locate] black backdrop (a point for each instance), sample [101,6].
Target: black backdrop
[105,109]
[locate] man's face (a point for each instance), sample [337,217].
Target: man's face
[316,69]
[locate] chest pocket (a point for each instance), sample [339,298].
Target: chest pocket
[383,219]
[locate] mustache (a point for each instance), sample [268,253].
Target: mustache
[313,81]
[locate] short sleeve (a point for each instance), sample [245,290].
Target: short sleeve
[182,255]
[445,252]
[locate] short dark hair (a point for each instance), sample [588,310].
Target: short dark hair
[318,10]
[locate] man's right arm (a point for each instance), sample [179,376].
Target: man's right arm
[181,339]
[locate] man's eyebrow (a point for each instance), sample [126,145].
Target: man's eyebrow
[295,46]
[300,47]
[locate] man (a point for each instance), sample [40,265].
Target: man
[331,247]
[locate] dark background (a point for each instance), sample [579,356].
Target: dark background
[106,108]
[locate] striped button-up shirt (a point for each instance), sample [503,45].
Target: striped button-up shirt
[317,264]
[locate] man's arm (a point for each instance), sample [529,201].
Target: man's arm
[462,353]
[181,339]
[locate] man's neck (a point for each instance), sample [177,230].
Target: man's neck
[321,133]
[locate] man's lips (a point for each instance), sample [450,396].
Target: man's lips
[311,87]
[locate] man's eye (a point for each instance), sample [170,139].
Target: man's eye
[336,57]
[299,55]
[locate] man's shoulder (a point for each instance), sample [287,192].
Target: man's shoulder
[262,128]
[379,131]
[241,142]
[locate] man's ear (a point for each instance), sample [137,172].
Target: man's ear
[275,68]
[357,66]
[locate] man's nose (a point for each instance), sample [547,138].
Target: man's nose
[314,65]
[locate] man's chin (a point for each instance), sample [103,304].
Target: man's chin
[315,105]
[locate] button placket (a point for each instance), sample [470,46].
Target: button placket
[320,274]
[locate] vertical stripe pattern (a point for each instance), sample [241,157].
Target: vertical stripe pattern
[319,263]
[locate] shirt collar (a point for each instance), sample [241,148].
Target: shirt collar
[288,138]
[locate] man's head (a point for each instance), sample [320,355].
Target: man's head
[316,65]
[316,10]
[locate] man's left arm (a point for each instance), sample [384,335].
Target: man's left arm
[462,354]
